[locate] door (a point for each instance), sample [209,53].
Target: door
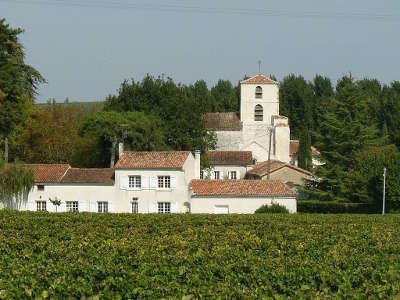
[221,209]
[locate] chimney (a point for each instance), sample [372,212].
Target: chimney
[120,149]
[197,167]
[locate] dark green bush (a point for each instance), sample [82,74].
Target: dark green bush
[274,208]
[329,207]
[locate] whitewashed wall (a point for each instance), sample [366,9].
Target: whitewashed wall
[248,101]
[86,195]
[225,169]
[237,205]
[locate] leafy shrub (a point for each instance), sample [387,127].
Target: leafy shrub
[274,208]
[329,207]
[260,256]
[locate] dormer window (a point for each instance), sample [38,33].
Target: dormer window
[258,113]
[258,92]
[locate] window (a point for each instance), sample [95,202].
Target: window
[164,207]
[135,181]
[102,207]
[41,206]
[258,92]
[40,187]
[164,182]
[135,206]
[72,205]
[233,175]
[258,113]
[216,175]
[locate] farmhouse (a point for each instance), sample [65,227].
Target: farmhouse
[149,182]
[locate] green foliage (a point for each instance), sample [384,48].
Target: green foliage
[296,96]
[332,207]
[50,135]
[137,130]
[224,97]
[16,180]
[305,155]
[107,256]
[366,180]
[18,81]
[274,208]
[178,107]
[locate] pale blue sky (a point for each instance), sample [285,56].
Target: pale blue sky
[85,51]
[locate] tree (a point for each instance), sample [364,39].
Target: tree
[296,96]
[224,97]
[305,155]
[341,135]
[366,180]
[175,105]
[137,130]
[16,180]
[18,81]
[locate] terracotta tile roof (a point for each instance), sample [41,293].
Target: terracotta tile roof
[261,168]
[78,175]
[250,188]
[294,148]
[259,79]
[222,121]
[152,160]
[47,173]
[242,158]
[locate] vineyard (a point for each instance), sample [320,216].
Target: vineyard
[192,256]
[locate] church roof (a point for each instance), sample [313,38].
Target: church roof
[240,188]
[242,158]
[259,79]
[222,121]
[261,168]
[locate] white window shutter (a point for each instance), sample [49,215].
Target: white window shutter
[152,207]
[229,175]
[123,182]
[174,207]
[62,207]
[174,182]
[145,182]
[110,207]
[221,174]
[153,182]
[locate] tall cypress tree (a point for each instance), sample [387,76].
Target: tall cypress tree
[305,155]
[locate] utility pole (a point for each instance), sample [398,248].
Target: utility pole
[269,153]
[6,150]
[384,191]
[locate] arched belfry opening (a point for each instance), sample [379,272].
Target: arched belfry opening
[258,113]
[259,92]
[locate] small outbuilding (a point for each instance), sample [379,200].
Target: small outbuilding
[239,196]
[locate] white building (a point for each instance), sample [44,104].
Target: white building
[259,120]
[259,129]
[149,182]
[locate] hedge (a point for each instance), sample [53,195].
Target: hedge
[326,207]
[272,209]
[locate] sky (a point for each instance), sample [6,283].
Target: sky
[86,48]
